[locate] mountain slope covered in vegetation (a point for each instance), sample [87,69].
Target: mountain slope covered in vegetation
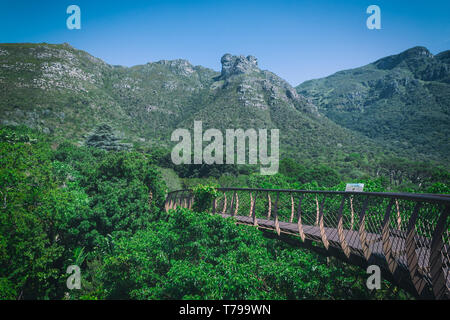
[401,100]
[66,92]
[360,123]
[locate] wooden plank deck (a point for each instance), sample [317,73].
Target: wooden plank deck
[352,238]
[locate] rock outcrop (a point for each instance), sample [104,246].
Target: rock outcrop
[178,66]
[259,88]
[233,65]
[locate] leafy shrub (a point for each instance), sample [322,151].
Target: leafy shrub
[196,255]
[204,195]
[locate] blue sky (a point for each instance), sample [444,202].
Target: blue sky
[298,40]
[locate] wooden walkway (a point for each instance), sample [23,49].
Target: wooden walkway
[351,237]
[414,254]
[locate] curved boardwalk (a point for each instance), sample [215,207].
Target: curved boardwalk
[406,235]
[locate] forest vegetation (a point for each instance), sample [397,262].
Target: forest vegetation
[63,204]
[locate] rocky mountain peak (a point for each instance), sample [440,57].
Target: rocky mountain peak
[407,57]
[259,89]
[233,65]
[416,52]
[178,66]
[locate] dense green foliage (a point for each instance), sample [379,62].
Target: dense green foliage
[191,255]
[203,196]
[100,205]
[103,137]
[395,174]
[63,205]
[55,202]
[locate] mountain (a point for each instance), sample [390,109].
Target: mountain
[67,92]
[402,100]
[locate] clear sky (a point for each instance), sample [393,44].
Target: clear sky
[298,40]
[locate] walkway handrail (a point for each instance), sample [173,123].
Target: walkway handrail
[399,195]
[405,234]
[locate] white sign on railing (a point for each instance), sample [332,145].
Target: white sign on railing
[358,187]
